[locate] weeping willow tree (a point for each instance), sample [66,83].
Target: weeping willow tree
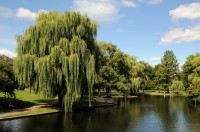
[56,57]
[177,85]
[137,73]
[135,84]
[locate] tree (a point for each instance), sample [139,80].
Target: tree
[160,77]
[113,69]
[187,70]
[147,76]
[136,76]
[194,77]
[170,68]
[56,57]
[177,85]
[7,79]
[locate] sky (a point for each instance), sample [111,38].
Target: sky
[143,28]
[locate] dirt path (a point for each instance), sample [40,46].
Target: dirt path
[19,111]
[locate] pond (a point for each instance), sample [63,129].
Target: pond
[145,114]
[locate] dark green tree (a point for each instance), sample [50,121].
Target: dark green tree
[170,68]
[159,77]
[56,57]
[187,70]
[7,78]
[147,76]
[114,70]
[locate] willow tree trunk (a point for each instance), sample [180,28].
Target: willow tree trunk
[61,95]
[60,100]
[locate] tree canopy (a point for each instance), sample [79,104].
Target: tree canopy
[56,57]
[167,71]
[7,78]
[122,72]
[191,70]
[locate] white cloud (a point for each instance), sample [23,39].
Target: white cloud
[181,66]
[2,27]
[19,13]
[153,59]
[179,35]
[7,41]
[128,3]
[191,11]
[7,53]
[154,2]
[6,12]
[101,10]
[27,14]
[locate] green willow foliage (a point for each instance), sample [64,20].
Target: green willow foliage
[56,54]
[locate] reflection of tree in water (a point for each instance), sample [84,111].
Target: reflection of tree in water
[46,123]
[9,126]
[111,119]
[174,112]
[101,120]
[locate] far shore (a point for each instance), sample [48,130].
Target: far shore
[156,93]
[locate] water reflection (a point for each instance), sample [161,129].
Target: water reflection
[147,113]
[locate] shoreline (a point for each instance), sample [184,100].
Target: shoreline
[32,111]
[29,115]
[166,94]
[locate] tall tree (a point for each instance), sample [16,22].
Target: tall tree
[7,79]
[56,57]
[194,76]
[170,68]
[114,70]
[107,76]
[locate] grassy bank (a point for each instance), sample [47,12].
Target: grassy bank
[23,99]
[25,104]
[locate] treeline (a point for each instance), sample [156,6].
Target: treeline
[121,71]
[59,56]
[124,73]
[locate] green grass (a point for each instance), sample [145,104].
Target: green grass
[23,99]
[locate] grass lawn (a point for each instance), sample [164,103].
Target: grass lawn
[23,99]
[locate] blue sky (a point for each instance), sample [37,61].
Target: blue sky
[144,28]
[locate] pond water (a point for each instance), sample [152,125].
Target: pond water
[145,114]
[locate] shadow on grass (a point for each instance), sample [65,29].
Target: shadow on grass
[13,103]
